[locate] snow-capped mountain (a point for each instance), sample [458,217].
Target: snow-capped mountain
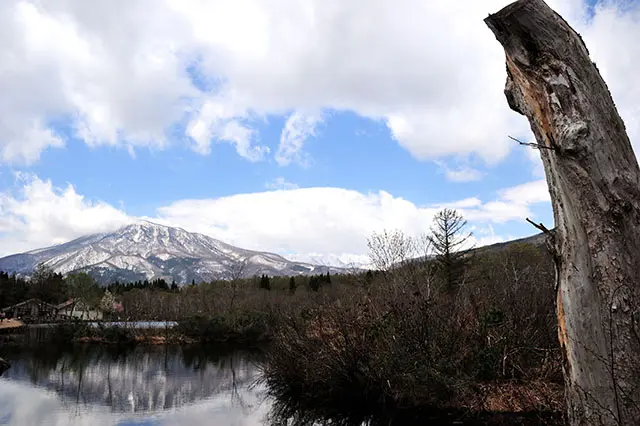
[146,250]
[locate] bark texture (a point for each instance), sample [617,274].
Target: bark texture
[594,181]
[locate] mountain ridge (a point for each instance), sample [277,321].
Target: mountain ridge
[147,250]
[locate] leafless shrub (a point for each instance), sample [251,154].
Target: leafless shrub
[405,342]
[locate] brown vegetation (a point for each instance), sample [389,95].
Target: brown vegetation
[403,343]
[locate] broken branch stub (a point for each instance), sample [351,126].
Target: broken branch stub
[594,182]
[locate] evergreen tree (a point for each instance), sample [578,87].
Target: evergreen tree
[314,283]
[47,285]
[292,285]
[12,289]
[265,283]
[448,238]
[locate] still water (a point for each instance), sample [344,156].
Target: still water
[146,385]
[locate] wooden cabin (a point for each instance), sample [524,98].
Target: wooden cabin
[32,310]
[77,309]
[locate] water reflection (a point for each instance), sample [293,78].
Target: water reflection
[92,384]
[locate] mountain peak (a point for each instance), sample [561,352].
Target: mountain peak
[147,250]
[146,224]
[143,224]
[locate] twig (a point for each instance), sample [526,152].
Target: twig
[540,226]
[533,145]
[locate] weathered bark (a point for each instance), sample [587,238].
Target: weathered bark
[594,182]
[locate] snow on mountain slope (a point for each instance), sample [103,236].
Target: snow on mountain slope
[146,250]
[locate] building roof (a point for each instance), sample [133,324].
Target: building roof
[65,304]
[29,302]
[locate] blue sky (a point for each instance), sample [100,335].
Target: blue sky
[289,128]
[349,152]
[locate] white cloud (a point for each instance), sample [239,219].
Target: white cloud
[112,69]
[298,128]
[333,224]
[511,204]
[306,223]
[280,183]
[121,71]
[463,173]
[527,193]
[41,215]
[217,121]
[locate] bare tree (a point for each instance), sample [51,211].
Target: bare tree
[594,181]
[390,249]
[237,272]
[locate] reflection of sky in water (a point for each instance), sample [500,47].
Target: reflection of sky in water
[24,405]
[144,386]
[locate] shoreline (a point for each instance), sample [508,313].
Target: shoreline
[131,333]
[9,325]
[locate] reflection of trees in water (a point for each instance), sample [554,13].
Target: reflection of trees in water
[136,379]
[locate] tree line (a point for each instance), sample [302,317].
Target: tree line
[52,287]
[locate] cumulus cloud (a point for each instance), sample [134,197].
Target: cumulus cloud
[112,69]
[510,204]
[123,72]
[305,223]
[333,224]
[215,120]
[40,215]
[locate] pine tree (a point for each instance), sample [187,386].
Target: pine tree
[448,238]
[292,285]
[265,284]
[314,283]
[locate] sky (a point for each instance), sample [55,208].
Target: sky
[293,126]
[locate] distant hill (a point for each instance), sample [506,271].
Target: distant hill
[146,250]
[538,240]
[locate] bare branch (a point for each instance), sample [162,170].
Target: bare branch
[531,144]
[540,226]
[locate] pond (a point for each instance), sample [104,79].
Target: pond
[160,385]
[146,385]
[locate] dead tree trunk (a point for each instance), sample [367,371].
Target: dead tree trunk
[594,182]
